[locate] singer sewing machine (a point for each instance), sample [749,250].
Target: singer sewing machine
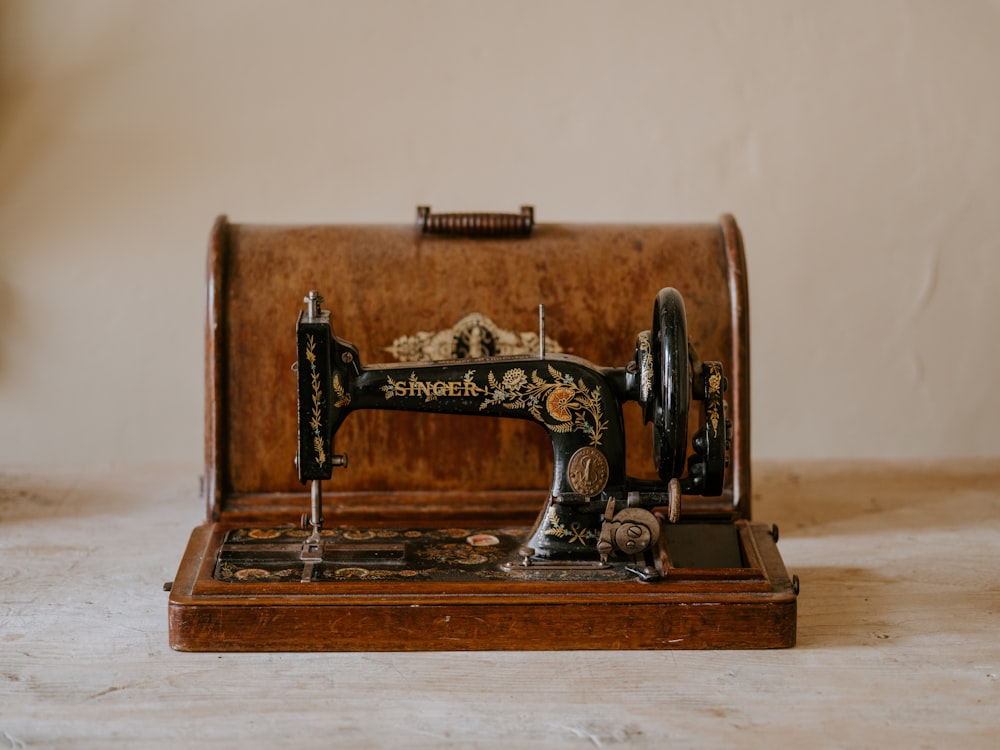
[596,518]
[664,558]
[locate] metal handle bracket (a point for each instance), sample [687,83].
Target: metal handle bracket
[476,224]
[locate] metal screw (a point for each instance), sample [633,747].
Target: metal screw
[312,302]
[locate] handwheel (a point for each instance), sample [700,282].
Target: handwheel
[671,383]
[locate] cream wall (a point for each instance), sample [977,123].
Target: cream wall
[857,143]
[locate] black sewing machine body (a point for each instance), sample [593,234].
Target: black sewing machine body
[657,554]
[594,511]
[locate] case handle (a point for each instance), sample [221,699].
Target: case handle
[477,224]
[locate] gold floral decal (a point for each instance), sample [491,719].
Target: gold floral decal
[343,399]
[317,400]
[574,533]
[714,389]
[715,382]
[263,533]
[714,417]
[569,406]
[230,573]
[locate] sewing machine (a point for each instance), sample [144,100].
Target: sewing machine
[663,559]
[595,515]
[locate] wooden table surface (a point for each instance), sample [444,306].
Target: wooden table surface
[898,646]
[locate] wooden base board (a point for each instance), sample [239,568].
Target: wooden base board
[690,608]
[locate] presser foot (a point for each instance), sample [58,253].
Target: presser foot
[646,572]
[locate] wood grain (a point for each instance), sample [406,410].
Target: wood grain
[380,282]
[753,608]
[598,283]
